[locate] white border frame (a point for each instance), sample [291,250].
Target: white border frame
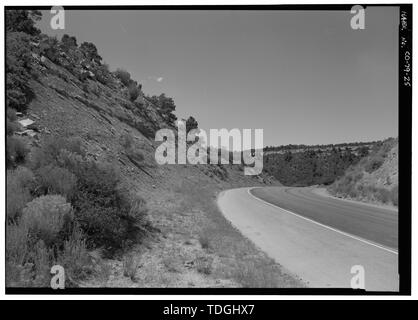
[414,279]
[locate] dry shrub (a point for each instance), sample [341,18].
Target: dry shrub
[56,180]
[133,91]
[130,266]
[29,260]
[205,239]
[16,151]
[374,163]
[11,114]
[17,249]
[11,127]
[43,260]
[20,182]
[204,265]
[254,275]
[52,148]
[74,256]
[126,140]
[124,76]
[137,208]
[45,217]
[104,211]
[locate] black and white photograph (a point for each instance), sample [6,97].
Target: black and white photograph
[208,149]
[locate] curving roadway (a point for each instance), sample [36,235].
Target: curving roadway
[321,239]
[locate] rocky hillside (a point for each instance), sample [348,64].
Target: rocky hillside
[374,178]
[80,151]
[102,115]
[305,165]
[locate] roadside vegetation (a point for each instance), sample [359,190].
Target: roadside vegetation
[222,250]
[60,205]
[374,178]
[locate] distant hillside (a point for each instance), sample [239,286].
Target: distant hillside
[355,147]
[301,165]
[374,178]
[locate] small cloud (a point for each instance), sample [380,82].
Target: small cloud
[158,79]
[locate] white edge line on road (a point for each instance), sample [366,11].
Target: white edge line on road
[323,225]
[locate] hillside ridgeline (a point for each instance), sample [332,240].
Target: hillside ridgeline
[301,165]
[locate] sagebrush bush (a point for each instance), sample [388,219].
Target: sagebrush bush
[108,215]
[102,209]
[51,150]
[17,249]
[18,67]
[204,265]
[102,74]
[43,258]
[11,114]
[126,140]
[72,161]
[130,266]
[23,176]
[133,91]
[137,208]
[205,239]
[254,275]
[124,76]
[20,183]
[46,216]
[16,151]
[94,88]
[29,259]
[11,127]
[49,48]
[90,51]
[56,180]
[74,256]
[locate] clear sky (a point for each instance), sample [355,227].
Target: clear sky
[302,76]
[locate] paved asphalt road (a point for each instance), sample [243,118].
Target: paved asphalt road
[318,238]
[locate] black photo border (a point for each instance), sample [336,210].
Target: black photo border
[405,161]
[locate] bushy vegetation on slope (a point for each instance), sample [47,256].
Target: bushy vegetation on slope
[61,200]
[374,178]
[309,167]
[60,203]
[27,47]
